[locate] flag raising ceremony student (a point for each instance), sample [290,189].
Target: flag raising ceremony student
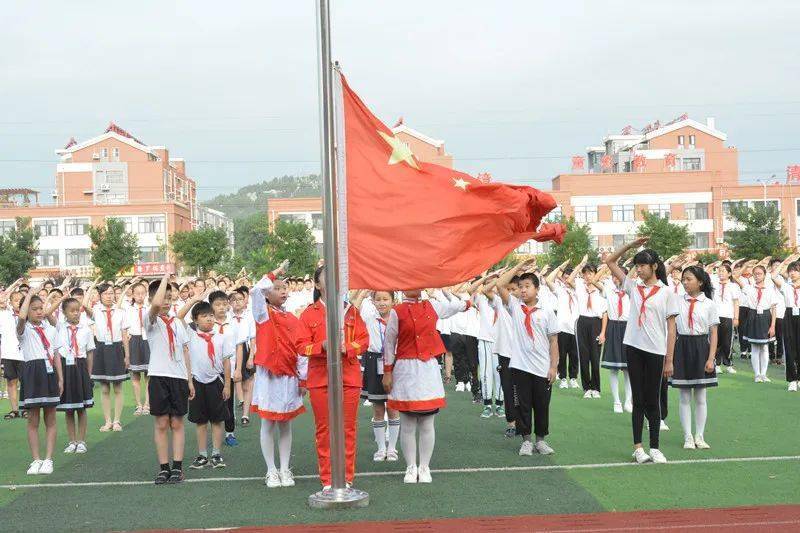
[10,355]
[726,298]
[790,294]
[566,313]
[649,340]
[695,351]
[618,304]
[411,374]
[280,374]
[488,363]
[534,365]
[760,330]
[504,348]
[138,348]
[242,317]
[590,328]
[313,343]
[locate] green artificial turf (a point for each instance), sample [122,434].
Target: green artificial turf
[745,420]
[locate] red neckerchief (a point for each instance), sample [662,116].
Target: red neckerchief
[620,295]
[45,343]
[221,326]
[528,312]
[109,323]
[722,292]
[692,301]
[170,334]
[141,321]
[208,337]
[654,289]
[73,339]
[760,293]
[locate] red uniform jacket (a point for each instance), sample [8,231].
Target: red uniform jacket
[417,337]
[313,332]
[276,343]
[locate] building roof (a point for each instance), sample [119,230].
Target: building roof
[112,132]
[18,191]
[402,128]
[656,129]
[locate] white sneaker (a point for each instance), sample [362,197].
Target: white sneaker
[564,384]
[628,407]
[391,455]
[367,402]
[758,379]
[47,467]
[595,394]
[701,443]
[459,387]
[468,386]
[33,469]
[326,488]
[526,448]
[543,448]
[765,379]
[424,474]
[793,386]
[587,395]
[618,407]
[287,478]
[411,474]
[731,370]
[80,447]
[664,426]
[657,456]
[380,455]
[573,383]
[273,480]
[688,443]
[71,447]
[640,456]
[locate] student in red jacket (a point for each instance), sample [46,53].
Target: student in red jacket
[312,341]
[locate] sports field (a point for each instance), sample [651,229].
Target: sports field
[755,460]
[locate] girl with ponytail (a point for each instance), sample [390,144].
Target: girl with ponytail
[649,340]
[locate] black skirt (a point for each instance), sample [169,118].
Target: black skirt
[371,381]
[108,365]
[77,386]
[613,349]
[139,350]
[757,329]
[689,363]
[38,387]
[247,373]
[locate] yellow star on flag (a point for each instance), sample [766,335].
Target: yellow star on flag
[401,153]
[460,183]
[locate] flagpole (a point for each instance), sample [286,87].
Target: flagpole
[339,496]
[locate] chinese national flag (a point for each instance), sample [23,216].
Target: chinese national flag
[413,225]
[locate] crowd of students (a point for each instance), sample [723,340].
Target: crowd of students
[507,337]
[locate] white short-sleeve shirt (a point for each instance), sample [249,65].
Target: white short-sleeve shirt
[134,320]
[32,347]
[618,302]
[203,369]
[503,329]
[724,296]
[704,315]
[532,353]
[84,339]
[9,343]
[567,308]
[647,331]
[591,302]
[162,361]
[101,323]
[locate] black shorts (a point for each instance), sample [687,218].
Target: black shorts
[12,369]
[445,340]
[168,396]
[207,404]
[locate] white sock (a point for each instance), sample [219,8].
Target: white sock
[700,411]
[613,379]
[285,443]
[764,360]
[628,393]
[379,429]
[685,411]
[394,432]
[408,438]
[427,439]
[267,444]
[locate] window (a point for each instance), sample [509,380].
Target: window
[700,241]
[47,258]
[104,153]
[727,205]
[585,214]
[555,215]
[77,258]
[316,220]
[127,221]
[661,210]
[152,254]
[691,140]
[46,228]
[691,163]
[153,224]
[621,240]
[75,226]
[292,217]
[593,242]
[622,213]
[6,226]
[115,154]
[696,211]
[770,203]
[680,140]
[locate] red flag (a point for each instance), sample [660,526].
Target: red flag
[412,225]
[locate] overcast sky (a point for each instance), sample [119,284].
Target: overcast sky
[514,88]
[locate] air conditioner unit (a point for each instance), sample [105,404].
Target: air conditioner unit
[105,187]
[96,156]
[54,194]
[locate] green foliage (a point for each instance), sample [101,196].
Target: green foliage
[762,233]
[253,199]
[18,251]
[509,260]
[577,243]
[113,249]
[706,258]
[666,238]
[293,241]
[201,249]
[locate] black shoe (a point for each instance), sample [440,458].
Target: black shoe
[510,433]
[162,477]
[199,462]
[175,476]
[217,461]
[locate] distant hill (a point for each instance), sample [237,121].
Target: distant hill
[253,199]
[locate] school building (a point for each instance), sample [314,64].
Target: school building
[112,175]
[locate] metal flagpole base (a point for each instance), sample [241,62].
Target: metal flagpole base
[338,499]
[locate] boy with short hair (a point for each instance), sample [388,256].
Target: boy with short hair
[534,364]
[170,385]
[244,370]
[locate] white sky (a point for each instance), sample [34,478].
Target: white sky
[514,87]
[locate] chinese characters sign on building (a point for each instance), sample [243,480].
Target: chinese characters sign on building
[669,161]
[577,162]
[639,163]
[793,173]
[153,269]
[605,163]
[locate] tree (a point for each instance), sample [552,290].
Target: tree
[113,249]
[760,234]
[201,249]
[18,251]
[577,243]
[666,238]
[293,241]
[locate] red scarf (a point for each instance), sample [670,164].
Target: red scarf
[45,343]
[170,333]
[654,289]
[528,313]
[141,321]
[109,323]
[760,293]
[73,339]
[221,326]
[692,301]
[208,337]
[620,295]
